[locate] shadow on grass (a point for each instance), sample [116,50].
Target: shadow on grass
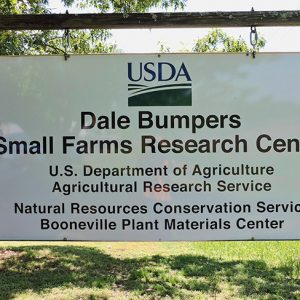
[39,268]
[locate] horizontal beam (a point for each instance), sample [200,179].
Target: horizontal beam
[150,20]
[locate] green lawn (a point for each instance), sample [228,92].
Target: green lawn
[207,270]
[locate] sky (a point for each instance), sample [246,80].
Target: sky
[279,39]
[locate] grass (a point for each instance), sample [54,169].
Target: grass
[207,270]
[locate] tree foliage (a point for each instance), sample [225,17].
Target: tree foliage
[127,6]
[81,41]
[163,48]
[219,41]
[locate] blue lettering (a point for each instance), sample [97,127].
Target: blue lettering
[160,71]
[165,72]
[130,72]
[184,73]
[149,71]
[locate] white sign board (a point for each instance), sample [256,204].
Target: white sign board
[150,147]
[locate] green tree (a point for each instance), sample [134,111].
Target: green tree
[127,6]
[81,41]
[163,48]
[219,41]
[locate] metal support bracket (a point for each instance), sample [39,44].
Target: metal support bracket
[66,41]
[253,38]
